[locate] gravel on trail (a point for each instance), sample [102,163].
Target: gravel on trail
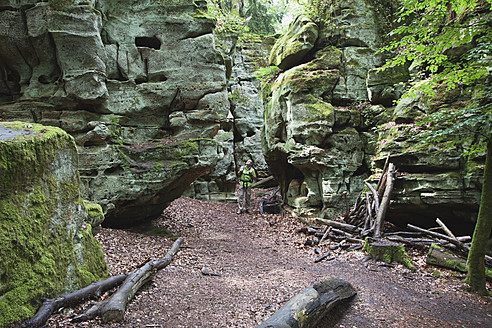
[235,270]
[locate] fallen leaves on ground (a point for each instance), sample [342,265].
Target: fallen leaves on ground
[260,262]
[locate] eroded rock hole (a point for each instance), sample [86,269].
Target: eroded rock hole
[149,42]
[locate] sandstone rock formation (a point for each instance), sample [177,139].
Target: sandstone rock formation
[47,244]
[331,121]
[240,138]
[138,84]
[314,138]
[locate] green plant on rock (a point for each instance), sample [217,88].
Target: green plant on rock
[266,76]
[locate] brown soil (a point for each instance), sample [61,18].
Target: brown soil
[262,263]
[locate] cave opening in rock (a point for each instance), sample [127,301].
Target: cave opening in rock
[149,42]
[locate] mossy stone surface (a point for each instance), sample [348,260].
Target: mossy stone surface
[46,250]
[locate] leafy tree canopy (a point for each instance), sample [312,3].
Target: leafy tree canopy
[450,39]
[260,17]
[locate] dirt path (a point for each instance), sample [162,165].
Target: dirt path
[262,263]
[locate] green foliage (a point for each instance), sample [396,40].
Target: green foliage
[316,10]
[267,75]
[228,20]
[451,40]
[467,128]
[263,16]
[246,18]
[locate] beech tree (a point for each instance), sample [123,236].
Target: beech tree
[451,42]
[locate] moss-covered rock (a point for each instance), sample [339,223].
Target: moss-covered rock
[95,216]
[47,250]
[300,38]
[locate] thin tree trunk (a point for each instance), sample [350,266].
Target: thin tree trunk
[378,224]
[483,227]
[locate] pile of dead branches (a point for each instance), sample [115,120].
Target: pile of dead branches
[366,219]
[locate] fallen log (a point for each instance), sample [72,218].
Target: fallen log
[456,242]
[339,225]
[114,308]
[96,289]
[444,258]
[311,308]
[322,257]
[328,229]
[417,243]
[262,181]
[437,235]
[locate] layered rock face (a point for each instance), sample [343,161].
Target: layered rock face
[314,138]
[330,123]
[48,248]
[139,85]
[240,138]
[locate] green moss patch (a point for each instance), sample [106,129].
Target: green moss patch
[43,253]
[388,252]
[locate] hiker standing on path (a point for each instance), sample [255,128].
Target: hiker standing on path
[246,176]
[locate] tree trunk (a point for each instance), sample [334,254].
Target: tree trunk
[311,307]
[388,252]
[483,227]
[385,201]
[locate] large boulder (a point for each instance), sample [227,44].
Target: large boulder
[119,75]
[355,27]
[314,138]
[47,245]
[240,134]
[295,44]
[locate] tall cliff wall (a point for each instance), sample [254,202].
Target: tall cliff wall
[138,84]
[330,123]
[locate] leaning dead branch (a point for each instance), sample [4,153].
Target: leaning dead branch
[385,201]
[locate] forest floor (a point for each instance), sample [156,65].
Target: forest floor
[261,262]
